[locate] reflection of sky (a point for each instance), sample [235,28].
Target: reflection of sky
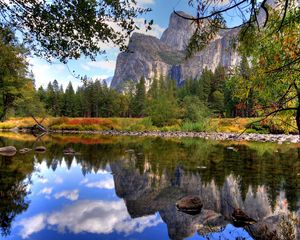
[228,233]
[67,205]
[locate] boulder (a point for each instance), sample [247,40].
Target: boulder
[241,219]
[40,149]
[8,151]
[189,204]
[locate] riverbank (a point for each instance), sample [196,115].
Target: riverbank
[219,129]
[279,138]
[217,136]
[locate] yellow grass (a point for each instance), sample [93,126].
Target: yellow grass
[236,125]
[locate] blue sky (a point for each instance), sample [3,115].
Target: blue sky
[104,65]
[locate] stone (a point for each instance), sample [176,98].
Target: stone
[69,151]
[241,219]
[40,149]
[189,204]
[8,151]
[201,167]
[129,151]
[25,150]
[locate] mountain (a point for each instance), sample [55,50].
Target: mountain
[149,56]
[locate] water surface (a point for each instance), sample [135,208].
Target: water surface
[127,187]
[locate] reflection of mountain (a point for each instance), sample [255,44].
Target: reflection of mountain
[144,195]
[150,174]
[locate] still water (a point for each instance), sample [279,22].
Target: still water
[127,187]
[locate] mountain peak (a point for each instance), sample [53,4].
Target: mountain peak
[149,56]
[179,31]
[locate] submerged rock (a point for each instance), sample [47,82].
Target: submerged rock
[189,204]
[25,150]
[40,149]
[8,151]
[241,219]
[69,151]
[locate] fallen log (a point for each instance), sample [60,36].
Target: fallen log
[39,125]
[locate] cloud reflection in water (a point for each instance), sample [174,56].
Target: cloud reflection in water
[98,217]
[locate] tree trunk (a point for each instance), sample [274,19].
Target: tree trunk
[39,125]
[298,116]
[3,114]
[298,107]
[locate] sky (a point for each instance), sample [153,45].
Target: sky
[104,65]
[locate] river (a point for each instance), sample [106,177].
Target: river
[126,188]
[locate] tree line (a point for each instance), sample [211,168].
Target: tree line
[160,98]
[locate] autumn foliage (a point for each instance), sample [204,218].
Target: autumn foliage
[89,121]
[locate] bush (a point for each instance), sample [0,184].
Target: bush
[172,128]
[194,110]
[194,127]
[258,127]
[163,111]
[147,122]
[57,121]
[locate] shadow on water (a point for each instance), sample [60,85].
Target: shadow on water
[150,174]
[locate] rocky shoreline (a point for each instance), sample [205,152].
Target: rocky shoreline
[219,136]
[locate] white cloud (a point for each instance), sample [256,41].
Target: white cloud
[32,225]
[43,180]
[104,65]
[46,191]
[58,180]
[102,77]
[145,2]
[104,184]
[84,181]
[100,217]
[45,72]
[70,195]
[156,30]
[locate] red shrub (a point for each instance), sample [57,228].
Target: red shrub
[89,121]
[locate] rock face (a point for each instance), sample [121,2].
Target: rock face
[149,56]
[179,32]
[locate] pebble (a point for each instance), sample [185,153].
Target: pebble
[24,150]
[252,137]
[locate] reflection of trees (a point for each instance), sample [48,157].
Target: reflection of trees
[157,171]
[257,164]
[13,191]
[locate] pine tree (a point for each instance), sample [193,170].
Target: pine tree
[69,101]
[13,71]
[139,99]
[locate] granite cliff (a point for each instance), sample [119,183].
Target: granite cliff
[149,56]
